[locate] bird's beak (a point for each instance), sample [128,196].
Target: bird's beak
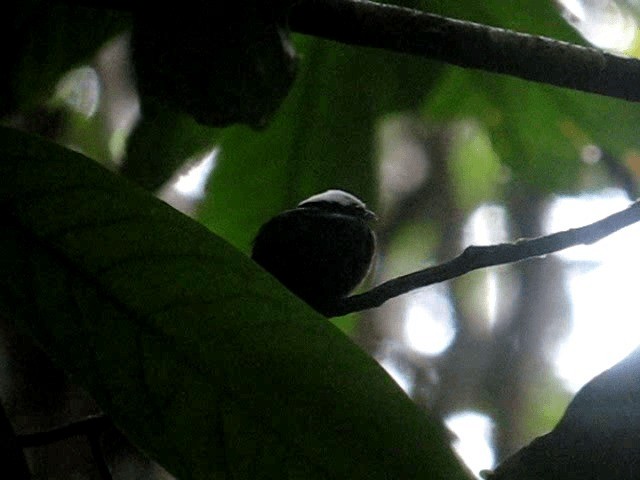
[369,216]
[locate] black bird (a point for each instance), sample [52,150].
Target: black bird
[321,250]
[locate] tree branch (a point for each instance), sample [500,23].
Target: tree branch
[469,45]
[474,258]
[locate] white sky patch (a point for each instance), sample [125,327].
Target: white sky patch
[601,281]
[474,432]
[487,225]
[192,184]
[605,328]
[572,212]
[603,23]
[429,326]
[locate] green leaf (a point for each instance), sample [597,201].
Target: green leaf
[524,122]
[201,357]
[475,169]
[529,16]
[323,136]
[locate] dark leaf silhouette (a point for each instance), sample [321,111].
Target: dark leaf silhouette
[200,356]
[598,437]
[222,62]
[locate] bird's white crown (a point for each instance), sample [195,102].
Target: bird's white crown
[336,196]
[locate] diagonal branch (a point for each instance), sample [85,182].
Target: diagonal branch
[474,258]
[469,45]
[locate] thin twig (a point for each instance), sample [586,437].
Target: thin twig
[474,258]
[470,45]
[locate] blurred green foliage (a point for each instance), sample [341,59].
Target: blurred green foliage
[323,136]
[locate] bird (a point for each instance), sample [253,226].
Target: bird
[321,250]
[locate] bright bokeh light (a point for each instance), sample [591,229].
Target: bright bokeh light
[488,225]
[428,324]
[601,285]
[591,154]
[192,183]
[603,23]
[473,443]
[79,89]
[571,212]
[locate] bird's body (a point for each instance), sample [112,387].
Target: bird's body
[321,250]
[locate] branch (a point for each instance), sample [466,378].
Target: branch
[474,258]
[469,45]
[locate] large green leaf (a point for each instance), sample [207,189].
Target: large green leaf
[536,129]
[323,136]
[207,363]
